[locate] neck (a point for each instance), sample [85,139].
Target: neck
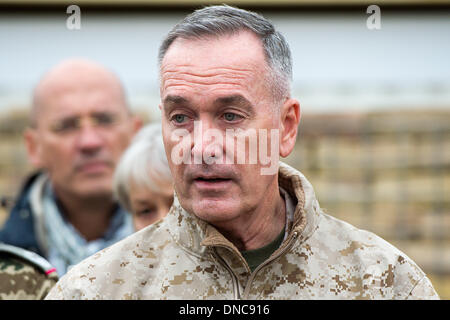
[259,226]
[89,215]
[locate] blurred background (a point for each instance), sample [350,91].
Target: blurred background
[374,138]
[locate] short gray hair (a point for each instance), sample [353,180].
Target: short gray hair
[144,163]
[223,20]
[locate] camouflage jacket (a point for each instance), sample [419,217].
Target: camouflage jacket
[182,257]
[24,275]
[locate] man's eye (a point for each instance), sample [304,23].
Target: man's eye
[66,125]
[104,119]
[179,118]
[231,116]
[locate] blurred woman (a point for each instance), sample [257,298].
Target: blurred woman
[142,180]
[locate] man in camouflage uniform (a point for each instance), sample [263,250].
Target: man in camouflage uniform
[239,231]
[24,275]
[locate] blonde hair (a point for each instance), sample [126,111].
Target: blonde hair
[144,163]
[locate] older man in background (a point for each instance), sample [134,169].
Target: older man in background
[80,125]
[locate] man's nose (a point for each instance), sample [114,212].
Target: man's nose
[89,139]
[197,141]
[207,142]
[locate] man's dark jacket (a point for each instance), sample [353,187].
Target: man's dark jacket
[18,230]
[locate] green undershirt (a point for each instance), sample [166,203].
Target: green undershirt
[255,257]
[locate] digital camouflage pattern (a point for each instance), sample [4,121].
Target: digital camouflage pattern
[182,257]
[24,275]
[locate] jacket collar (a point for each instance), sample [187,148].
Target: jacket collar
[18,229]
[195,235]
[306,214]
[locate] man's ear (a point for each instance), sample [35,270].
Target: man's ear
[33,147]
[137,124]
[290,118]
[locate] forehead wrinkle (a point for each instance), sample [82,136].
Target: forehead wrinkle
[223,93]
[240,56]
[206,77]
[190,68]
[202,88]
[200,83]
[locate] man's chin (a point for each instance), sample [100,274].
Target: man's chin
[215,210]
[90,190]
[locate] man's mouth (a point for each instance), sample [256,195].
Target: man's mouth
[211,180]
[214,184]
[93,167]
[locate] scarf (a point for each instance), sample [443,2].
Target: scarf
[65,245]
